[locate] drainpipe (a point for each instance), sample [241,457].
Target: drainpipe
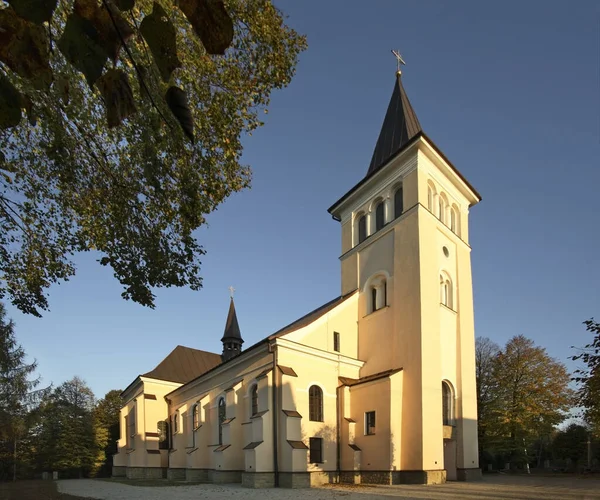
[338,416]
[273,349]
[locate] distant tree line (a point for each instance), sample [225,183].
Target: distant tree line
[528,414]
[49,429]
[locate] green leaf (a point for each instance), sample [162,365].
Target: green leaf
[160,35]
[79,45]
[36,11]
[118,97]
[24,48]
[10,104]
[211,22]
[178,104]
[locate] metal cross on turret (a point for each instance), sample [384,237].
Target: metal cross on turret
[231,290]
[399,60]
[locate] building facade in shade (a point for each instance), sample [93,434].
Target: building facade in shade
[376,386]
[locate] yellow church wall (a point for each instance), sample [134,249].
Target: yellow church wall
[346,236]
[196,449]
[376,449]
[318,368]
[349,270]
[341,319]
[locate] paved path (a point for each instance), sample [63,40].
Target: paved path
[492,487]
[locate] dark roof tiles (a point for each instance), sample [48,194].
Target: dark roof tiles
[400,125]
[184,364]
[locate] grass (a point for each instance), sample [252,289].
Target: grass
[33,490]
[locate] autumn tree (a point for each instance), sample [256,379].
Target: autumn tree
[571,443]
[533,395]
[16,396]
[121,126]
[588,377]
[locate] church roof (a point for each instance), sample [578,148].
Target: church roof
[184,364]
[400,125]
[232,329]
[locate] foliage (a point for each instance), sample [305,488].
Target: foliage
[104,161]
[106,423]
[66,436]
[16,395]
[486,352]
[525,394]
[571,443]
[588,378]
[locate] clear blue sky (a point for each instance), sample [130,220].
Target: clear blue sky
[510,91]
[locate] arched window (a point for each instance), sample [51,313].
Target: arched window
[454,219]
[446,291]
[222,416]
[377,294]
[196,416]
[176,423]
[431,195]
[447,404]
[442,204]
[362,228]
[254,400]
[379,218]
[315,404]
[163,435]
[398,203]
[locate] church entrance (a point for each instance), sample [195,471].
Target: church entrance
[450,459]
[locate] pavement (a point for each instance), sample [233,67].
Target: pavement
[496,486]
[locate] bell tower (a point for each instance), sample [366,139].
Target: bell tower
[405,248]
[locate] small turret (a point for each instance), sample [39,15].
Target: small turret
[232,338]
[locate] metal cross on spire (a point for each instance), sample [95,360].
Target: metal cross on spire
[231,290]
[399,60]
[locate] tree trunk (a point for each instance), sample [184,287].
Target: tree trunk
[15,458]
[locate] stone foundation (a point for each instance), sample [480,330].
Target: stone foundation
[145,473]
[176,474]
[468,474]
[319,478]
[350,477]
[196,475]
[294,479]
[224,476]
[418,477]
[258,479]
[119,471]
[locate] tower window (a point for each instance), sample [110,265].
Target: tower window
[175,423]
[222,417]
[377,295]
[446,291]
[254,399]
[336,341]
[398,203]
[362,229]
[316,450]
[454,219]
[369,423]
[447,404]
[315,404]
[379,219]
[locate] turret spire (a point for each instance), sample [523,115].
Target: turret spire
[232,338]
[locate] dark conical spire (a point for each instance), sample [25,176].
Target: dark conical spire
[400,125]
[232,338]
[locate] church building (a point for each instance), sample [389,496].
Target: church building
[375,386]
